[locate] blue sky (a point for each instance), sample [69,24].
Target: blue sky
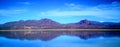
[63,11]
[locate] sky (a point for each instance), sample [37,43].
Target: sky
[62,11]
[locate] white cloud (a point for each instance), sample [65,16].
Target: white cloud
[113,5]
[103,14]
[70,4]
[103,10]
[25,3]
[75,6]
[6,12]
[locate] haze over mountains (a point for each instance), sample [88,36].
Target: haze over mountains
[50,24]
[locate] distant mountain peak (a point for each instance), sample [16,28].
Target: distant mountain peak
[85,21]
[45,19]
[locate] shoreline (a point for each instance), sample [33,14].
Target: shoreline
[63,30]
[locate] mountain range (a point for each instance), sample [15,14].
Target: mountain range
[50,24]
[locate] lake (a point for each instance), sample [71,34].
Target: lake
[59,39]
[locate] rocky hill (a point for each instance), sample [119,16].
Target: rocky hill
[50,24]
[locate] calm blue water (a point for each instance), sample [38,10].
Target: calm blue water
[62,41]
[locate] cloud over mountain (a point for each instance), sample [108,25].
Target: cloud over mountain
[109,11]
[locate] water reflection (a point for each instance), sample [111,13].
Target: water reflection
[48,35]
[59,39]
